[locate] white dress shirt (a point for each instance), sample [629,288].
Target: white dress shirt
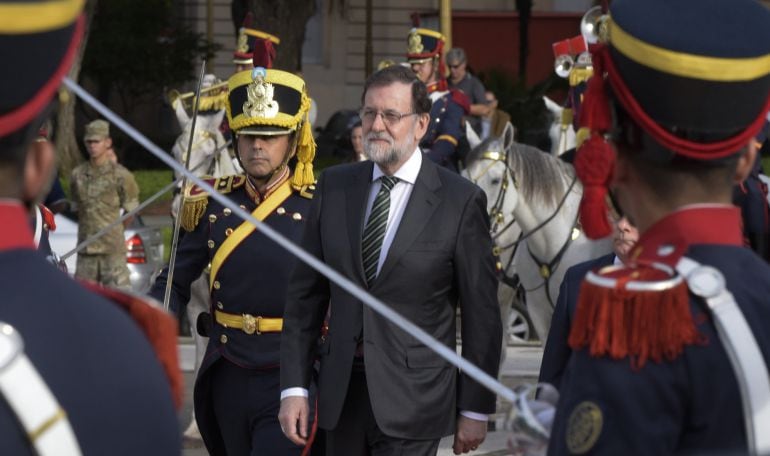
[399,197]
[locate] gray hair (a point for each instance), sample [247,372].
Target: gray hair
[456,55]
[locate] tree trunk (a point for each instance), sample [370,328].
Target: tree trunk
[524,7]
[286,20]
[65,138]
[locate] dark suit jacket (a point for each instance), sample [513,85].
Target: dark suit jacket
[557,351]
[440,256]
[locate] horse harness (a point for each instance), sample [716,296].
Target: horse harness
[546,269]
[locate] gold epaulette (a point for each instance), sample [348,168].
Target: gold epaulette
[196,199]
[306,191]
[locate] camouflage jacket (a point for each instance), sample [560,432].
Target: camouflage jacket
[99,192]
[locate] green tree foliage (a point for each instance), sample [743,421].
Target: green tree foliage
[136,48]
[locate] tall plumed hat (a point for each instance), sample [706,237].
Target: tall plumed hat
[247,39]
[39,38]
[265,101]
[694,75]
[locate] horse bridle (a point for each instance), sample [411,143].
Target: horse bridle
[497,216]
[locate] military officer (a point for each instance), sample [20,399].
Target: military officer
[85,380]
[670,352]
[100,188]
[445,141]
[237,390]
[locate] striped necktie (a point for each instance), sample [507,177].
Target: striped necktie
[374,232]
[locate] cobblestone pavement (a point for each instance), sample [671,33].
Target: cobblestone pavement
[521,365]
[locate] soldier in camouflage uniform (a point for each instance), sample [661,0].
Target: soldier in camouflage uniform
[100,188]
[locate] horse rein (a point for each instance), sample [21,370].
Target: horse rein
[546,269]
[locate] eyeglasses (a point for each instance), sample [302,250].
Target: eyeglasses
[389,117]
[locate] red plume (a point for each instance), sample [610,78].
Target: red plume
[248,20]
[595,158]
[264,53]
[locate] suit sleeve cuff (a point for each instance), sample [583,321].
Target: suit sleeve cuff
[465,413]
[289,392]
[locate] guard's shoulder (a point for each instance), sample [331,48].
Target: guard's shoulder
[306,191]
[196,198]
[461,99]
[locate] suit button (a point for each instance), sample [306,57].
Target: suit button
[220,306]
[228,232]
[216,285]
[211,244]
[297,216]
[212,218]
[280,211]
[207,269]
[223,338]
[227,211]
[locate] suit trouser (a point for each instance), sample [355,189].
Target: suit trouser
[357,432]
[246,403]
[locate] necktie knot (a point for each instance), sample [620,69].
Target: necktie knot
[389,182]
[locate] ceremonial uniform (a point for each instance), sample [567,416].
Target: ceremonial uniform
[77,373]
[99,192]
[556,352]
[444,142]
[670,352]
[237,395]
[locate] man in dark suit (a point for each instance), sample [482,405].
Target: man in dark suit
[85,379]
[557,351]
[417,237]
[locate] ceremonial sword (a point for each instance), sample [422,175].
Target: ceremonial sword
[178,219]
[375,304]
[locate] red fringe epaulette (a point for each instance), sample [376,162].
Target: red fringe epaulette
[159,328]
[459,97]
[642,313]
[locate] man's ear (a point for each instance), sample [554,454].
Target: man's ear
[423,121]
[109,142]
[38,170]
[745,163]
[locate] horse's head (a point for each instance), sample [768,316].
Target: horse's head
[487,165]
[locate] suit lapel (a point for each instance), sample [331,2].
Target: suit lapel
[357,193]
[422,203]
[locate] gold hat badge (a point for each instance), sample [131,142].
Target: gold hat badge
[260,101]
[415,43]
[243,41]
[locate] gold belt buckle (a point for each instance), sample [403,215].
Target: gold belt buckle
[251,324]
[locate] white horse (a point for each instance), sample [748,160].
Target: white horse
[541,194]
[562,136]
[209,157]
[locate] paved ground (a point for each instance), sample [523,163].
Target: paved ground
[521,365]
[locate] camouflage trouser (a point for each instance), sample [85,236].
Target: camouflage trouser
[109,269]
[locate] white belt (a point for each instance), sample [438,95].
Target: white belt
[742,349]
[36,408]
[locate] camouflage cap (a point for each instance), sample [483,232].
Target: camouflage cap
[98,129]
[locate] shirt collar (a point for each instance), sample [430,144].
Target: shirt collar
[407,172]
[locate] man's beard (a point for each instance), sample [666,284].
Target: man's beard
[393,152]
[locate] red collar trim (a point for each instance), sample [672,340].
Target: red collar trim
[668,239]
[15,232]
[440,85]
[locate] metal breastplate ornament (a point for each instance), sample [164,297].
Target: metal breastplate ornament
[243,42]
[415,43]
[260,96]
